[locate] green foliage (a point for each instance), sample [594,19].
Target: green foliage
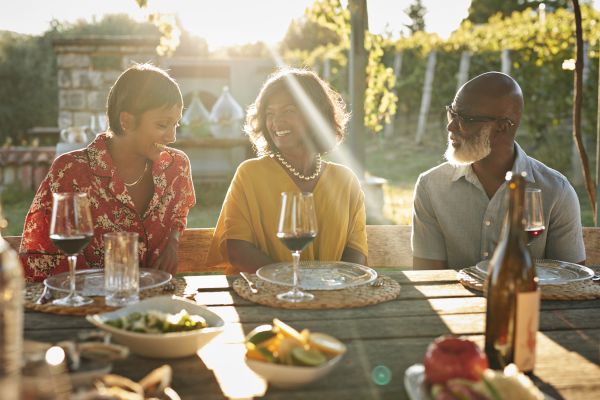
[258,49]
[328,17]
[416,12]
[481,10]
[307,35]
[109,25]
[28,91]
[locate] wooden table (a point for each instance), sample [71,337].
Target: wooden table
[393,335]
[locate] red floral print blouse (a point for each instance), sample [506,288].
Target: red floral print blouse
[92,170]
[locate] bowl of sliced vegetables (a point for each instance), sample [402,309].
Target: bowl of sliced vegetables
[161,327]
[287,358]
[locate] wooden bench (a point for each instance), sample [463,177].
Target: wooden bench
[389,246]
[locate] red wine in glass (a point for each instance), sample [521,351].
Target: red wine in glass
[71,244]
[296,229]
[534,214]
[534,232]
[296,242]
[71,229]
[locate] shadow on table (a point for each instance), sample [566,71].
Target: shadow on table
[383,340]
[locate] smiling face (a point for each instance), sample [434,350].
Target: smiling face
[153,130]
[285,123]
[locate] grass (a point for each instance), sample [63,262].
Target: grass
[398,159]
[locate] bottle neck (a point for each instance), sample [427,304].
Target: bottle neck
[516,205]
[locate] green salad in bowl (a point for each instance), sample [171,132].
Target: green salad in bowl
[161,327]
[155,321]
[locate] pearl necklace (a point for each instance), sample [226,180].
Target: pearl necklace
[138,179]
[295,172]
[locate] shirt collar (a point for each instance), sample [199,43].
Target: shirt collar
[102,164]
[522,163]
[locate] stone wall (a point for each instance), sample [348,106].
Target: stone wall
[88,67]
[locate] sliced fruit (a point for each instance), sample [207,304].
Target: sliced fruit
[261,334]
[309,358]
[284,352]
[254,354]
[288,332]
[327,344]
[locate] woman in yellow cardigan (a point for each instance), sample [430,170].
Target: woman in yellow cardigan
[295,119]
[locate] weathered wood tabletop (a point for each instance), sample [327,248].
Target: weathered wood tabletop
[393,335]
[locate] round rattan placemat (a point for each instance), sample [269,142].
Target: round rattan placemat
[581,290]
[34,290]
[353,297]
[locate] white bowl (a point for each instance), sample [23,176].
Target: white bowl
[291,376]
[165,345]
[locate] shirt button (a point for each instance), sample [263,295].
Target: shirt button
[488,222]
[485,253]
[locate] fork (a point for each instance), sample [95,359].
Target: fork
[378,282]
[45,297]
[251,284]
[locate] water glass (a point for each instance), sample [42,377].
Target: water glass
[121,268]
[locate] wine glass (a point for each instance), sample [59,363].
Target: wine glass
[297,228]
[534,214]
[71,229]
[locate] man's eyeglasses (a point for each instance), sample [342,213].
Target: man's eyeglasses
[471,119]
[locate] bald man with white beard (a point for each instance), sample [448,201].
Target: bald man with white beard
[459,206]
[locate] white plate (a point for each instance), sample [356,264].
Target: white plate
[90,282]
[552,272]
[414,383]
[319,275]
[162,345]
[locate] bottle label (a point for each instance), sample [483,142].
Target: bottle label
[527,319]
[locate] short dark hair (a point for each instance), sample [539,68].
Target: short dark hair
[324,99]
[140,88]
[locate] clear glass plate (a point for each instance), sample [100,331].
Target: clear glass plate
[552,272]
[90,282]
[319,275]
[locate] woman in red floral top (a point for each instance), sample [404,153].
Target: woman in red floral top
[135,182]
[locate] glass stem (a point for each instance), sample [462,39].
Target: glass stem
[295,265]
[72,264]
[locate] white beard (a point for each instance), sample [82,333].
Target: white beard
[470,150]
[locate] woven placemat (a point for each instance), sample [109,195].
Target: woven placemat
[581,290]
[353,297]
[33,291]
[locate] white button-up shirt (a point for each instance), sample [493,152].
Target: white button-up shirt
[455,221]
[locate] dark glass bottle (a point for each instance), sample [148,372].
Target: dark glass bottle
[513,297]
[11,318]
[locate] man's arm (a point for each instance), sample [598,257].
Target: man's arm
[423,263]
[564,239]
[427,240]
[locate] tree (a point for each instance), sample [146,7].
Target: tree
[481,10]
[29,90]
[306,35]
[416,12]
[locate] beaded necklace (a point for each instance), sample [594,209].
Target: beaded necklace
[295,172]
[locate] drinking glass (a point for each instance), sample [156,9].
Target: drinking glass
[534,214]
[297,228]
[121,268]
[71,229]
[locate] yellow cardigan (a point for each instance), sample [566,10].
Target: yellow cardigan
[251,211]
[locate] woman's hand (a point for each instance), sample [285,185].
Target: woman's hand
[245,256]
[354,256]
[167,261]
